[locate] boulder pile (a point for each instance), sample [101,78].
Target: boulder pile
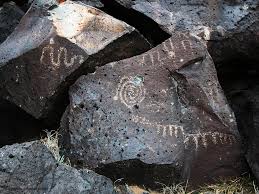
[127,102]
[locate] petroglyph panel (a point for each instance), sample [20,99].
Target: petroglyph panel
[169,51]
[172,130]
[130,91]
[48,56]
[177,131]
[203,139]
[49,53]
[168,127]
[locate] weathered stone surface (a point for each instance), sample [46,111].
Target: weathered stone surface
[251,127]
[95,3]
[51,48]
[17,125]
[160,116]
[210,20]
[237,64]
[10,16]
[31,168]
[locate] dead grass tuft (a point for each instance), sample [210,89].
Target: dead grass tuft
[243,185]
[51,142]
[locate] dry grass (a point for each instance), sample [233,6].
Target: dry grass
[51,142]
[244,185]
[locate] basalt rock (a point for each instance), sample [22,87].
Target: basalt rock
[222,24]
[208,19]
[160,116]
[95,3]
[16,125]
[252,128]
[51,47]
[40,3]
[10,16]
[31,168]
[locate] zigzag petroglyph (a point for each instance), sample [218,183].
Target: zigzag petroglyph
[164,130]
[168,51]
[177,131]
[48,54]
[203,139]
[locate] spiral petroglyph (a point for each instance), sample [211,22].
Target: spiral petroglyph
[130,91]
[48,55]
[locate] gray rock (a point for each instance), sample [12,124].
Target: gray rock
[94,3]
[160,116]
[10,16]
[252,129]
[17,125]
[40,3]
[208,19]
[52,47]
[31,168]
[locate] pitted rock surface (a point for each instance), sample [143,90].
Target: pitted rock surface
[164,108]
[211,20]
[10,16]
[31,168]
[52,47]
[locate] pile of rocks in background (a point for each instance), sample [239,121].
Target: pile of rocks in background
[133,89]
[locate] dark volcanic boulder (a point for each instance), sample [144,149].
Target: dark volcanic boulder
[208,19]
[95,3]
[52,47]
[160,116]
[17,125]
[10,15]
[252,128]
[31,168]
[227,26]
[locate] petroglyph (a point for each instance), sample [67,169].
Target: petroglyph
[169,48]
[204,138]
[186,44]
[48,55]
[130,91]
[157,57]
[177,131]
[164,130]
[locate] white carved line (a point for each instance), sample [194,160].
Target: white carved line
[216,137]
[188,139]
[186,44]
[62,50]
[164,130]
[130,92]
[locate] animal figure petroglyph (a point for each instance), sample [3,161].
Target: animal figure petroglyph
[130,91]
[177,131]
[48,55]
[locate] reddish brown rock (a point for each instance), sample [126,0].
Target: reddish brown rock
[160,116]
[52,47]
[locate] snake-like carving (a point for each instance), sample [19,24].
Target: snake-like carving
[48,55]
